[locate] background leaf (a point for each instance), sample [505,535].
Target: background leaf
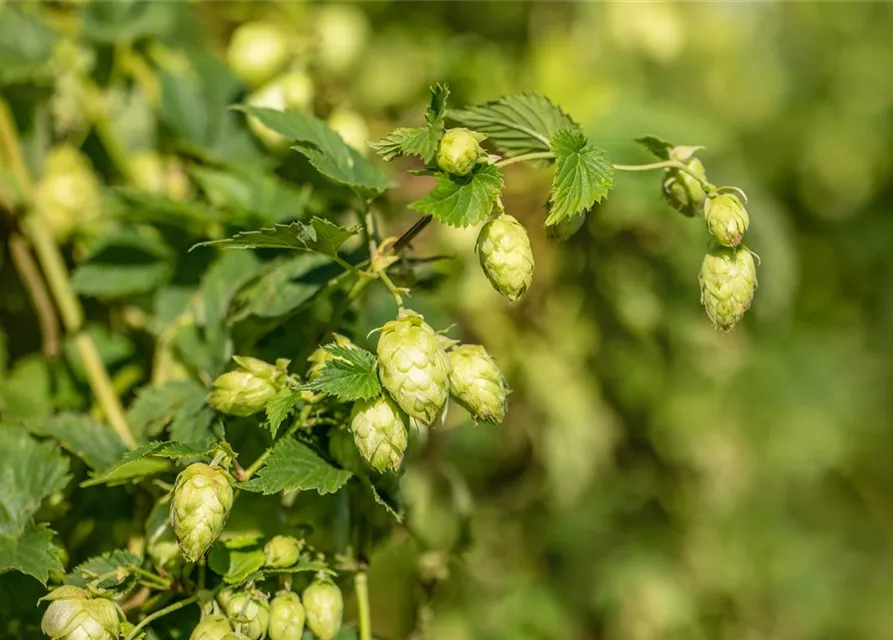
[657,146]
[320,236]
[123,263]
[462,201]
[92,441]
[418,141]
[583,176]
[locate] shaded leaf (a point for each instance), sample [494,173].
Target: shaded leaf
[251,193]
[319,236]
[150,459]
[31,552]
[462,201]
[180,405]
[658,146]
[92,441]
[26,47]
[293,465]
[236,565]
[123,263]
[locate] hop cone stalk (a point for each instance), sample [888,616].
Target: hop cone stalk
[379,431]
[286,617]
[281,551]
[74,615]
[201,503]
[477,383]
[214,627]
[413,366]
[249,613]
[248,389]
[506,257]
[727,219]
[459,151]
[728,280]
[681,190]
[324,607]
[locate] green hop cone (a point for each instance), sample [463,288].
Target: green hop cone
[248,389]
[320,356]
[286,617]
[459,151]
[74,614]
[681,190]
[477,383]
[728,280]
[282,551]
[344,450]
[258,51]
[506,257]
[413,366]
[293,91]
[324,606]
[249,613]
[202,500]
[379,431]
[214,627]
[727,219]
[68,197]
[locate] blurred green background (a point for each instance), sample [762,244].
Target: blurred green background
[654,478]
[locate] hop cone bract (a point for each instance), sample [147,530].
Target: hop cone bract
[413,366]
[74,615]
[506,257]
[281,551]
[201,503]
[249,613]
[477,383]
[214,627]
[727,219]
[458,151]
[324,607]
[728,280]
[286,617]
[379,431]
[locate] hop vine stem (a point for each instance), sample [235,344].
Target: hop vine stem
[159,614]
[361,583]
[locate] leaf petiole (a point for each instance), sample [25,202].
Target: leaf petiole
[666,164]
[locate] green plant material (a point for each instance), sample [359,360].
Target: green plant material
[68,198]
[349,374]
[214,627]
[201,503]
[477,383]
[286,616]
[462,201]
[728,281]
[293,465]
[503,248]
[379,431]
[248,389]
[282,551]
[583,176]
[249,612]
[565,229]
[258,51]
[321,355]
[74,615]
[418,141]
[681,190]
[727,219]
[324,607]
[459,151]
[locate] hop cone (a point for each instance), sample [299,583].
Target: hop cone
[477,383]
[257,51]
[728,280]
[281,551]
[74,615]
[286,617]
[379,431]
[344,450]
[459,151]
[320,356]
[413,366]
[201,504]
[249,613]
[248,389]
[727,219]
[506,257]
[214,627]
[324,607]
[681,190]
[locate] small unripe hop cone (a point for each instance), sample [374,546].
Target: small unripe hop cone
[459,151]
[324,607]
[286,617]
[413,366]
[258,51]
[727,219]
[200,506]
[214,627]
[379,430]
[681,190]
[282,551]
[506,257]
[74,614]
[477,383]
[249,613]
[728,281]
[248,389]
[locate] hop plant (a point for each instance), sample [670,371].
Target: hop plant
[459,151]
[286,617]
[213,627]
[728,280]
[681,190]
[379,431]
[161,543]
[320,356]
[249,613]
[258,51]
[324,606]
[413,366]
[201,503]
[727,219]
[68,197]
[344,450]
[74,614]
[567,227]
[477,384]
[292,90]
[506,257]
[248,389]
[282,551]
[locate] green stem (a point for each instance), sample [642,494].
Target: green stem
[157,581]
[538,155]
[665,164]
[159,614]
[365,621]
[392,288]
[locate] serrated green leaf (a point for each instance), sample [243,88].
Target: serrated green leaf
[180,405]
[393,509]
[280,407]
[128,20]
[303,566]
[32,552]
[150,459]
[352,374]
[462,201]
[92,441]
[293,465]
[418,141]
[236,565]
[102,564]
[26,47]
[516,124]
[286,286]
[251,194]
[583,176]
[123,263]
[319,236]
[325,149]
[658,146]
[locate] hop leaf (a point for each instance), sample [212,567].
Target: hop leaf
[727,219]
[462,201]
[349,373]
[728,281]
[74,615]
[506,257]
[379,431]
[413,366]
[417,141]
[323,354]
[324,607]
[286,617]
[214,627]
[477,383]
[202,500]
[583,176]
